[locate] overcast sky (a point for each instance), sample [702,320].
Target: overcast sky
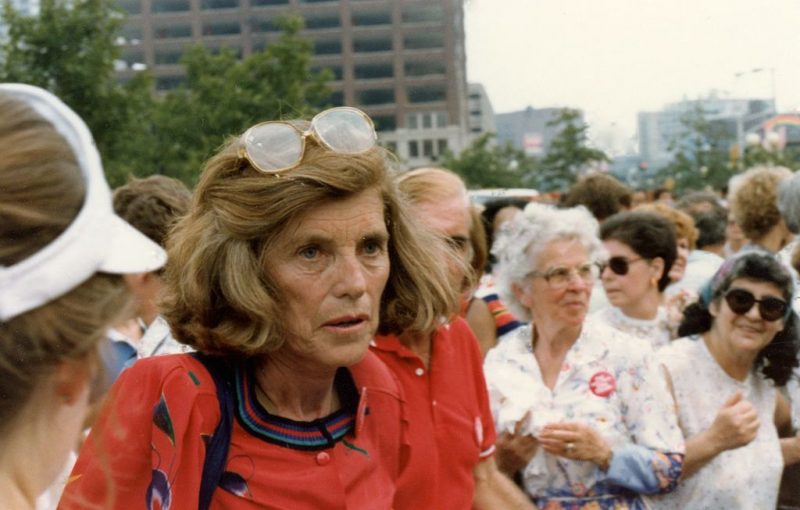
[614,58]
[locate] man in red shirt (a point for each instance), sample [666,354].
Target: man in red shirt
[451,430]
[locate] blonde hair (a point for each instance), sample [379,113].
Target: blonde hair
[683,223]
[41,192]
[755,200]
[218,296]
[431,185]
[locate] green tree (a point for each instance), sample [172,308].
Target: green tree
[222,96]
[482,165]
[69,49]
[569,154]
[701,153]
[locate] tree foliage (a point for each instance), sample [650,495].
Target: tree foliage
[569,154]
[483,165]
[223,96]
[701,153]
[70,50]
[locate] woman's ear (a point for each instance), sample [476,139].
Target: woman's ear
[657,265]
[523,294]
[71,380]
[713,307]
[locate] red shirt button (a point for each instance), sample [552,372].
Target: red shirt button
[323,458]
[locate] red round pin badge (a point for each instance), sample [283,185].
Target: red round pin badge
[603,383]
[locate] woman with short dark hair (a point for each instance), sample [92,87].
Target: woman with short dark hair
[641,250]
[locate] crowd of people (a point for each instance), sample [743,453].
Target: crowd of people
[313,327]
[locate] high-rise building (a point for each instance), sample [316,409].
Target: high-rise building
[661,133]
[528,130]
[402,61]
[481,113]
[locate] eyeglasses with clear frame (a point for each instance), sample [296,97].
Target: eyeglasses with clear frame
[560,277]
[276,146]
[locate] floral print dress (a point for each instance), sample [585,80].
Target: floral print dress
[606,381]
[746,477]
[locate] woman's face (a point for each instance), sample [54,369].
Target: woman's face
[566,306]
[679,266]
[331,265]
[626,291]
[747,333]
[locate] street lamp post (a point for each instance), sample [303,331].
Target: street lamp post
[740,119]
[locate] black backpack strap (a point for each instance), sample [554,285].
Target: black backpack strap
[217,446]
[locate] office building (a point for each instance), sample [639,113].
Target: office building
[402,61]
[663,132]
[528,130]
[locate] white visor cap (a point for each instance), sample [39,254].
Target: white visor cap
[97,240]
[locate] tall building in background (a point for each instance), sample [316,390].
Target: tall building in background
[661,132]
[481,113]
[401,61]
[528,129]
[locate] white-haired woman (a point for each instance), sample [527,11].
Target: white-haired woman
[584,411]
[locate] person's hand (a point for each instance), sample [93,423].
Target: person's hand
[514,450]
[736,423]
[575,441]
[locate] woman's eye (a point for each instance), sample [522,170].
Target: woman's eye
[372,248]
[309,252]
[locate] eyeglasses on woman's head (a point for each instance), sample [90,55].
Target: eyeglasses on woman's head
[276,146]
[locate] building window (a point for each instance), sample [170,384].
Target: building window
[328,47]
[172,31]
[258,25]
[372,18]
[316,1]
[427,93]
[441,146]
[170,6]
[337,98]
[384,122]
[210,5]
[132,34]
[375,96]
[260,3]
[441,119]
[413,149]
[412,121]
[425,68]
[168,56]
[319,21]
[424,40]
[334,69]
[427,148]
[221,27]
[416,13]
[131,6]
[427,121]
[373,71]
[169,82]
[372,44]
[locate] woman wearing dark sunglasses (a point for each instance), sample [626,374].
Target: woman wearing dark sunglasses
[740,343]
[295,250]
[641,249]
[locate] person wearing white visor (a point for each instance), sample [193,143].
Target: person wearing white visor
[62,250]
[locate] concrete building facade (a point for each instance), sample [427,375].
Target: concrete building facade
[661,132]
[401,61]
[528,129]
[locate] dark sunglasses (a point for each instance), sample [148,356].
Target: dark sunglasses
[740,302]
[618,265]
